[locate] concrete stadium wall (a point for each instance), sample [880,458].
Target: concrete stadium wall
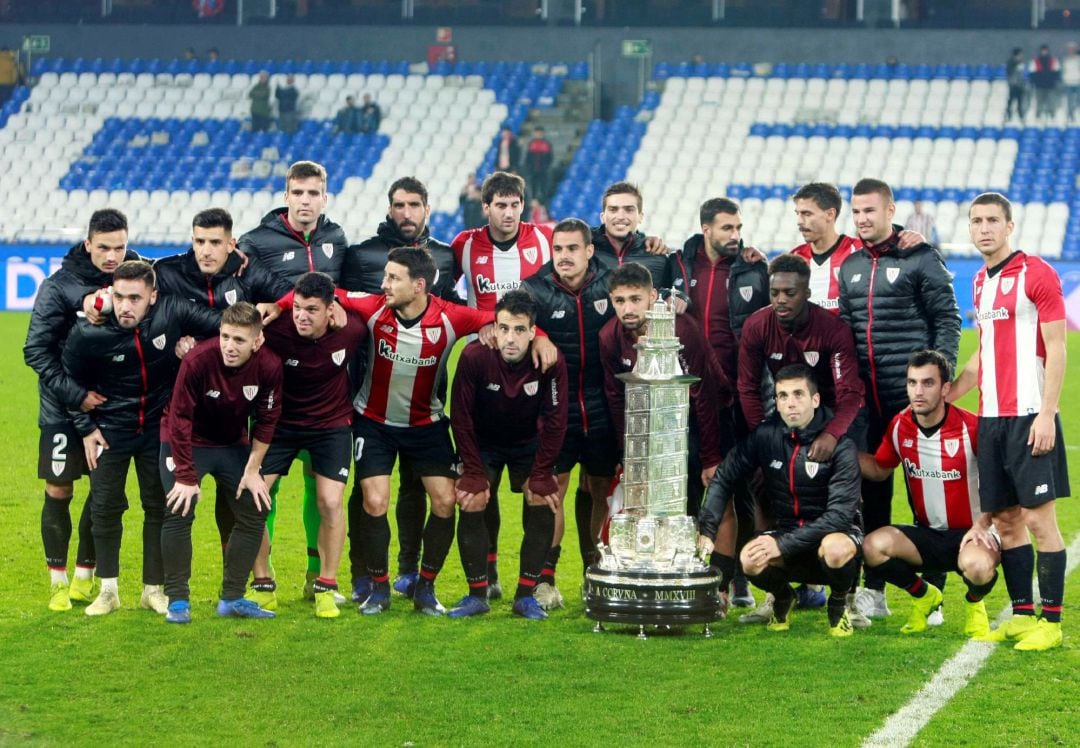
[545,44]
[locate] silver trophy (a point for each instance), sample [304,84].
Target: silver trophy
[649,572]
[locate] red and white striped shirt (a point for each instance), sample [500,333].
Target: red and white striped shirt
[941,470]
[825,273]
[490,271]
[405,363]
[1010,305]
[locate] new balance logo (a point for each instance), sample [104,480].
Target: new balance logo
[1041,489]
[558,314]
[388,329]
[288,256]
[118,357]
[482,260]
[908,443]
[627,362]
[493,387]
[856,278]
[291,362]
[776,356]
[776,465]
[344,472]
[213,393]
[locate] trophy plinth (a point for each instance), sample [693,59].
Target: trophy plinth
[649,573]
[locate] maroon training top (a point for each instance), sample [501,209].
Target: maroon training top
[317,392]
[707,397]
[500,404]
[211,403]
[824,342]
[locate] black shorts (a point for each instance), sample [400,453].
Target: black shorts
[939,549]
[224,464]
[1009,475]
[60,453]
[517,459]
[427,449]
[805,567]
[596,451]
[330,450]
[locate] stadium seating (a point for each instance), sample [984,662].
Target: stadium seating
[756,133]
[164,138]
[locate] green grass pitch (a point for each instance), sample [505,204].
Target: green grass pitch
[403,679]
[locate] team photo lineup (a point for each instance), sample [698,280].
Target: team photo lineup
[819,374]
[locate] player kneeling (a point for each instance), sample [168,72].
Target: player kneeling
[222,382]
[815,536]
[507,414]
[936,444]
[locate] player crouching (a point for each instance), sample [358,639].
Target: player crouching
[936,444]
[815,536]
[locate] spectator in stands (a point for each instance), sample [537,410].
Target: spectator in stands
[892,62]
[472,208]
[538,158]
[212,55]
[922,222]
[1014,74]
[509,157]
[1070,77]
[370,115]
[1045,75]
[287,97]
[189,54]
[348,117]
[260,103]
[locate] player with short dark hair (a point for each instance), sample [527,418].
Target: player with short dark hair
[815,536]
[495,258]
[817,206]
[898,298]
[617,239]
[316,417]
[86,268]
[633,294]
[131,361]
[936,444]
[1020,367]
[506,414]
[406,225]
[724,290]
[411,335]
[222,382]
[572,306]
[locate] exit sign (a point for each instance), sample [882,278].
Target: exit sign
[636,48]
[38,44]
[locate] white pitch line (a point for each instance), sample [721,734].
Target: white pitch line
[901,728]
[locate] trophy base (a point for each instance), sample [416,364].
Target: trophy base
[643,598]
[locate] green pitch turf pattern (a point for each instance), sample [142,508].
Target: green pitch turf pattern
[401,678]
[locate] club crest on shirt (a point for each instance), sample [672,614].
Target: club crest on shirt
[338,357]
[747,292]
[328,249]
[170,464]
[891,274]
[529,253]
[951,446]
[250,391]
[433,334]
[600,305]
[230,296]
[811,357]
[58,467]
[1007,285]
[531,388]
[812,468]
[159,342]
